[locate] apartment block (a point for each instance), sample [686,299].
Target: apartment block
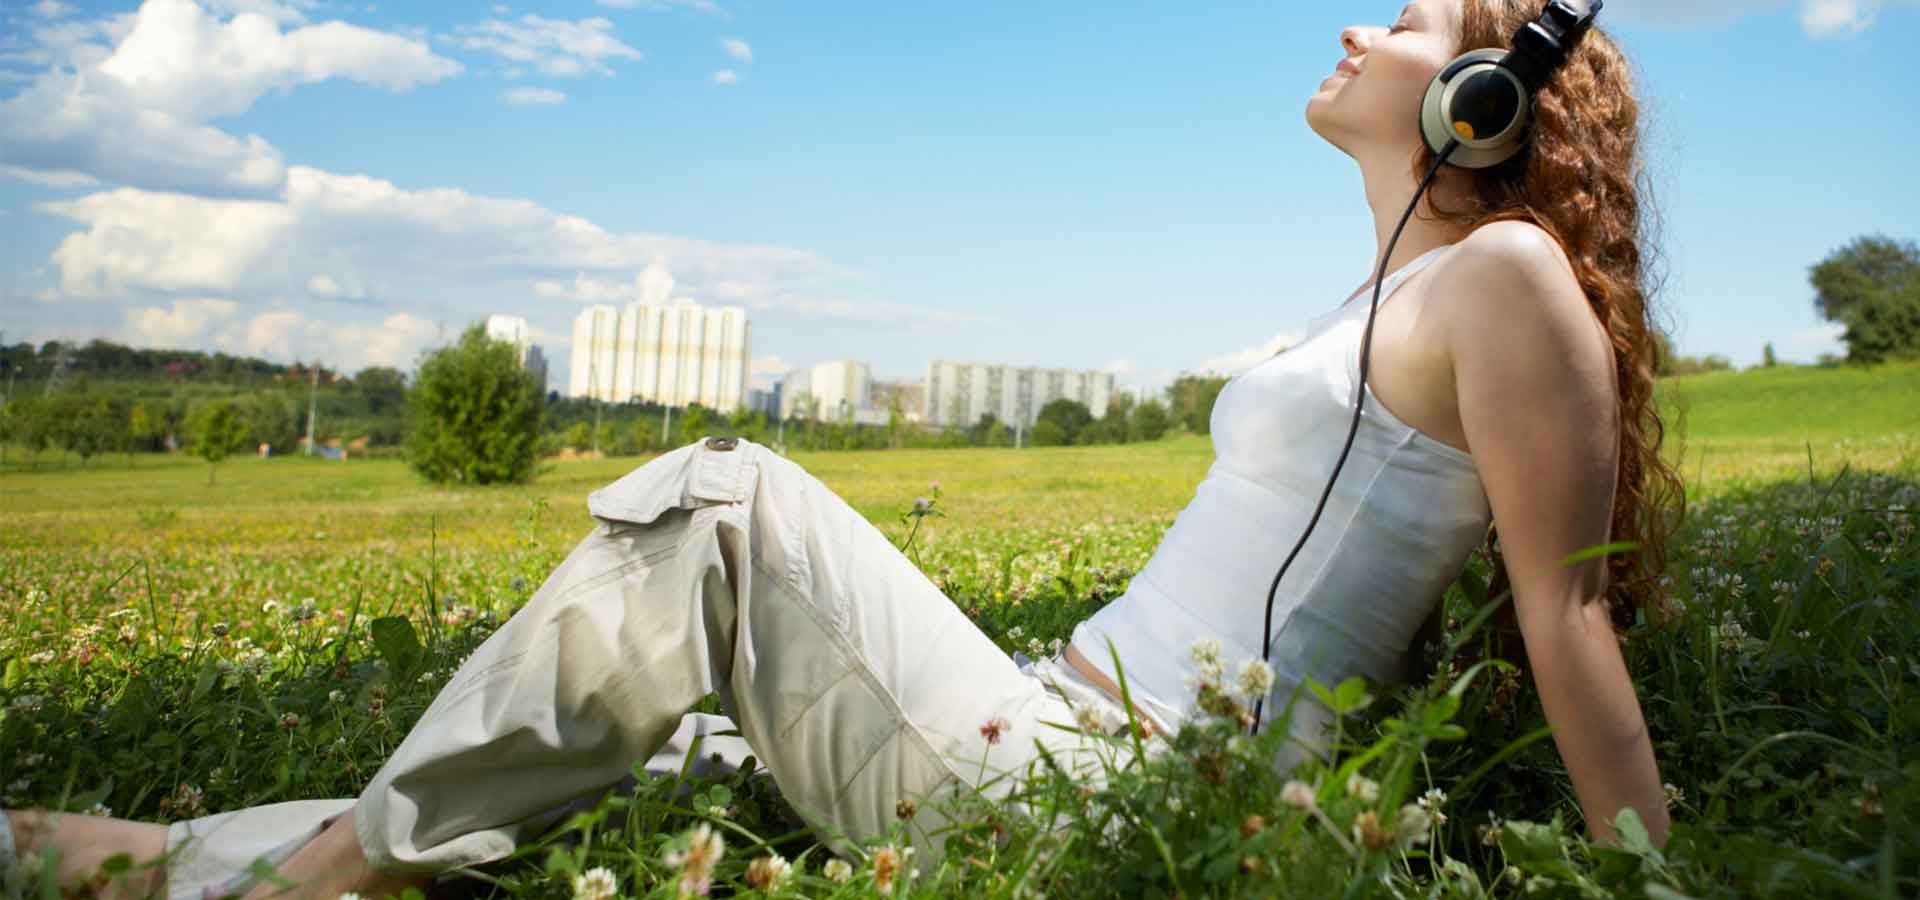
[958,394]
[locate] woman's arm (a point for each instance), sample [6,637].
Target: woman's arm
[1533,373]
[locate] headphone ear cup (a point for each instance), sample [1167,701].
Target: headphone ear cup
[1480,104]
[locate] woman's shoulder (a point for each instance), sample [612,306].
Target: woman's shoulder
[1512,281]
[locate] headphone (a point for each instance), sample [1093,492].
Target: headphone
[1475,114]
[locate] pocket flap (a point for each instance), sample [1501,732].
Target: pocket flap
[688,477]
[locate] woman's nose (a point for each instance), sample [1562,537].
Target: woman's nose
[1355,39]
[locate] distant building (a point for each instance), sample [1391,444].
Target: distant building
[766,401]
[514,330]
[910,394]
[828,391]
[960,393]
[672,355]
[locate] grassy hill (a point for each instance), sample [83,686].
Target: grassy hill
[1767,423]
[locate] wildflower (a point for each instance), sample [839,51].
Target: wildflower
[768,872]
[1256,678]
[98,809]
[1053,646]
[269,606]
[1731,634]
[837,871]
[1088,719]
[43,657]
[1014,633]
[290,721]
[1361,786]
[336,696]
[1491,832]
[1869,802]
[906,809]
[1675,795]
[1206,651]
[1412,824]
[701,852]
[887,863]
[1252,826]
[1368,833]
[597,883]
[1297,794]
[921,505]
[1431,802]
[994,728]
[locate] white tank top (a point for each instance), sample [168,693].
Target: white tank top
[1404,515]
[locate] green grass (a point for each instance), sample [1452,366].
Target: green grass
[147,644]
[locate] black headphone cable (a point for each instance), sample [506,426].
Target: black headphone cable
[1366,351]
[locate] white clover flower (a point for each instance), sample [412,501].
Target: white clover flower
[1431,801]
[1206,652]
[597,883]
[1298,795]
[349,895]
[1256,678]
[1362,787]
[1014,633]
[1412,824]
[768,872]
[1035,648]
[837,871]
[1088,719]
[696,858]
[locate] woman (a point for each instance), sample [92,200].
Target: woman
[1512,384]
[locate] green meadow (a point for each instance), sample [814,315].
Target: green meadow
[174,648]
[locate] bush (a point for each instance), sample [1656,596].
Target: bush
[475,414]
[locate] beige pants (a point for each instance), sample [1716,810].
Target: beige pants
[718,567]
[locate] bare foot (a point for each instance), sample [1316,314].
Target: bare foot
[84,842]
[333,864]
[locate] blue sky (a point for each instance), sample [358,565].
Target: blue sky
[1127,187]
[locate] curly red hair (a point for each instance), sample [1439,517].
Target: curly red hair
[1581,179]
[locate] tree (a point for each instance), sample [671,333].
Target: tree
[1767,359]
[1048,433]
[1191,399]
[1071,416]
[217,431]
[270,420]
[1872,286]
[144,426]
[579,436]
[475,413]
[1149,421]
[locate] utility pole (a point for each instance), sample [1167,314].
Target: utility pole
[313,387]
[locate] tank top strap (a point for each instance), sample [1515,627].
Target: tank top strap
[1398,276]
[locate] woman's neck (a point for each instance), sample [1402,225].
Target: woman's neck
[1390,187]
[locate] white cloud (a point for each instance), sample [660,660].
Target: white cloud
[180,326]
[1821,18]
[533,96]
[126,99]
[280,334]
[51,9]
[738,49]
[53,178]
[726,76]
[553,46]
[1234,363]
[171,242]
[763,371]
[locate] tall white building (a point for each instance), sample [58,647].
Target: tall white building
[673,355]
[958,394]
